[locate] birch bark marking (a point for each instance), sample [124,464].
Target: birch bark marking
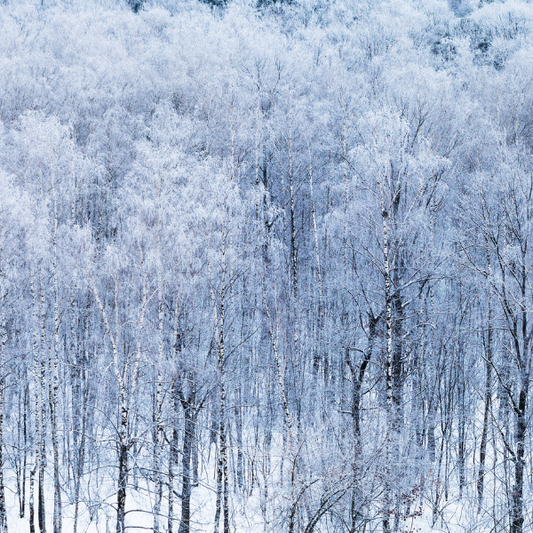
[31,501]
[55,381]
[42,441]
[3,511]
[385,214]
[173,456]
[222,502]
[293,250]
[37,401]
[488,394]
[189,411]
[158,441]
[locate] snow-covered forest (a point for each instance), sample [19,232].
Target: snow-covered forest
[266,267]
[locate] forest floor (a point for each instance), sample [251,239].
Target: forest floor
[246,514]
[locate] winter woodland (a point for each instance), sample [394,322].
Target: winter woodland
[266,267]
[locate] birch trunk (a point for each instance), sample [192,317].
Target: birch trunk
[486,414]
[388,368]
[222,503]
[130,369]
[188,436]
[158,407]
[42,445]
[54,404]
[3,511]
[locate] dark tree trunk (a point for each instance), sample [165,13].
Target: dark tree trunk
[488,397]
[358,376]
[122,473]
[31,501]
[517,503]
[186,490]
[397,355]
[41,511]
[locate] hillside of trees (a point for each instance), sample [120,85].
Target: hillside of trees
[266,267]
